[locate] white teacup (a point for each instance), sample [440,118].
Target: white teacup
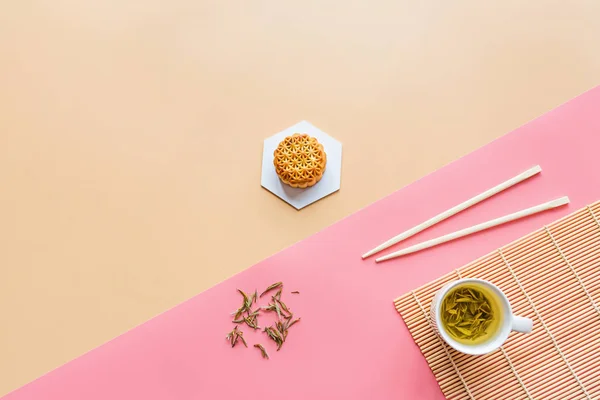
[509,322]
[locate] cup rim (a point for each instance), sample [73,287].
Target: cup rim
[482,348]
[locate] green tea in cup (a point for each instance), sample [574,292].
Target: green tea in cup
[474,316]
[471,313]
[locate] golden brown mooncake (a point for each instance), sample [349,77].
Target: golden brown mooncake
[300,160]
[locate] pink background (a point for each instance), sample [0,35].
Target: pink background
[351,343]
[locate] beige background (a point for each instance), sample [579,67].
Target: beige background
[131,135]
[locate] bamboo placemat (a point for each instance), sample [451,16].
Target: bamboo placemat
[552,276]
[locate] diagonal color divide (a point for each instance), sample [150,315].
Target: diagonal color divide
[182,354]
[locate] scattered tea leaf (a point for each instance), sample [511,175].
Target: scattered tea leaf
[232,337]
[294,322]
[271,287]
[277,309]
[283,306]
[245,296]
[254,313]
[251,323]
[262,350]
[245,315]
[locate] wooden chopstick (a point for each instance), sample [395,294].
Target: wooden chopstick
[477,228]
[456,209]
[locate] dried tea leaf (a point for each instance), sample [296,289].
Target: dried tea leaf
[277,309]
[271,287]
[254,313]
[245,296]
[283,306]
[262,350]
[238,313]
[232,337]
[277,334]
[293,322]
[250,323]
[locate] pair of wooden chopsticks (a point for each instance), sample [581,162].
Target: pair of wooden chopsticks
[468,231]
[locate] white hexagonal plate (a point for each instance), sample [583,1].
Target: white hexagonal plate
[296,197]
